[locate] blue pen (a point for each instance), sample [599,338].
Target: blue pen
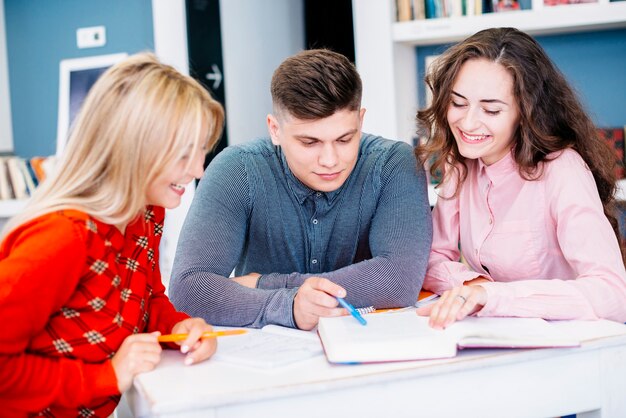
[352,311]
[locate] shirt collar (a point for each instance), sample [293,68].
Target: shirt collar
[114,237]
[499,169]
[299,189]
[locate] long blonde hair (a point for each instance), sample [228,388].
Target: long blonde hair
[138,118]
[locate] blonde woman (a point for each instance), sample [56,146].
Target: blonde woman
[81,298]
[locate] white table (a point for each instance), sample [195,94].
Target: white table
[589,380]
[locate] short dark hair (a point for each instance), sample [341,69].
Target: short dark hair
[316,83]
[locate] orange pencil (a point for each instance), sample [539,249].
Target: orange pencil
[169,338]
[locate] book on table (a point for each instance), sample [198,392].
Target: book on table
[275,346]
[402,336]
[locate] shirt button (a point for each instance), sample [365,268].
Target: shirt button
[314,261]
[314,221]
[477,251]
[490,221]
[318,194]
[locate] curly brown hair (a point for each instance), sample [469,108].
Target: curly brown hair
[551,116]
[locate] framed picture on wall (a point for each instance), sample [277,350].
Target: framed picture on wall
[76,76]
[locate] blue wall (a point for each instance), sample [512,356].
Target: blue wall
[593,62]
[40,33]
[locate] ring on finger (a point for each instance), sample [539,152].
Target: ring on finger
[462,297]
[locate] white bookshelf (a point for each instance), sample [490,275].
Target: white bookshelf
[387,59]
[9,208]
[538,21]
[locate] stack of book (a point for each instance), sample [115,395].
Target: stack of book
[19,176]
[433,9]
[614,138]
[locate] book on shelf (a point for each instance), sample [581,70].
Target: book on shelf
[429,61]
[499,6]
[614,138]
[18,183]
[26,175]
[434,9]
[403,336]
[19,177]
[6,191]
[39,165]
[565,2]
[419,9]
[620,214]
[431,178]
[407,10]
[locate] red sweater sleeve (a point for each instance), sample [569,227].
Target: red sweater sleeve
[40,265]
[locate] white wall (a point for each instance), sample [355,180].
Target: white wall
[6,127]
[169,21]
[389,91]
[170,45]
[256,37]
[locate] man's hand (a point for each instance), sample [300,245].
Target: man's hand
[316,298]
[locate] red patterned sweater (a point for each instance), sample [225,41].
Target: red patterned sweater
[71,289]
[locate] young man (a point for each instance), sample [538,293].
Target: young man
[320,211]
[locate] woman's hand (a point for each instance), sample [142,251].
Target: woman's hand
[199,349]
[454,305]
[138,353]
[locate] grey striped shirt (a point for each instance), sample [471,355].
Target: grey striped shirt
[250,213]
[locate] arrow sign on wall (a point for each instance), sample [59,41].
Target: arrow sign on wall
[216,76]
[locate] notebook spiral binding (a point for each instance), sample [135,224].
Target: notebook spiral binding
[365,310]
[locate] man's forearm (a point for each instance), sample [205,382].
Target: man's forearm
[222,301]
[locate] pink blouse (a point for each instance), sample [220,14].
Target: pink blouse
[545,244]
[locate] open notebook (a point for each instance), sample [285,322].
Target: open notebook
[405,336]
[269,347]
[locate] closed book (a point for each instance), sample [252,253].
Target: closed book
[505,5]
[419,9]
[49,164]
[37,164]
[614,138]
[18,183]
[26,174]
[405,12]
[430,9]
[403,336]
[6,192]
